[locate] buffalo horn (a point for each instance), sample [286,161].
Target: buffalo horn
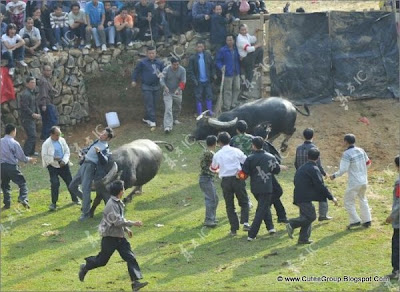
[202,115]
[218,124]
[111,175]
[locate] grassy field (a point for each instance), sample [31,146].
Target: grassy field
[181,254]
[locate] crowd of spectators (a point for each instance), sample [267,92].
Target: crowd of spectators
[29,27]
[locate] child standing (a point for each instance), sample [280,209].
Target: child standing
[112,228]
[394,218]
[206,182]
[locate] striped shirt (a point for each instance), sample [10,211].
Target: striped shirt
[355,162]
[302,156]
[11,151]
[59,21]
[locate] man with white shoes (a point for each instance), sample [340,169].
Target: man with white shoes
[173,81]
[260,166]
[149,71]
[95,17]
[355,161]
[123,23]
[12,48]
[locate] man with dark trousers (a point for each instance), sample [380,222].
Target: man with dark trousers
[201,71]
[260,166]
[394,218]
[308,187]
[301,158]
[55,157]
[10,153]
[91,156]
[29,115]
[227,162]
[277,190]
[149,72]
[113,227]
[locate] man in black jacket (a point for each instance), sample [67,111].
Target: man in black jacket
[260,166]
[308,186]
[201,71]
[277,190]
[29,113]
[301,158]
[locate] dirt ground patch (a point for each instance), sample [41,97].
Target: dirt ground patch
[380,137]
[321,5]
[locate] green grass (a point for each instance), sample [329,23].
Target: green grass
[182,255]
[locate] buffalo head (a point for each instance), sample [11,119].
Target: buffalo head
[207,125]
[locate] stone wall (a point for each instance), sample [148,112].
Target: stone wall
[71,66]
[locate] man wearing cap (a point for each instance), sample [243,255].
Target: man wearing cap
[99,150]
[173,81]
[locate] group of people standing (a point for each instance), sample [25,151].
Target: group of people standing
[201,71]
[255,158]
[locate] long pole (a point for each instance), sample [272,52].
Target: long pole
[221,89]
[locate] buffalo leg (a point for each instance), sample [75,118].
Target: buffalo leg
[96,202]
[272,136]
[285,143]
[136,191]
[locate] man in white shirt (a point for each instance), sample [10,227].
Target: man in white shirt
[251,54]
[355,161]
[227,162]
[31,36]
[55,157]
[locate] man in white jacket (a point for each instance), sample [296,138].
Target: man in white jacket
[251,54]
[355,162]
[55,157]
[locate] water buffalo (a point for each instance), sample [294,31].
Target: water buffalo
[279,113]
[135,163]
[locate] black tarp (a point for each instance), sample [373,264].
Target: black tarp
[365,56]
[315,57]
[300,57]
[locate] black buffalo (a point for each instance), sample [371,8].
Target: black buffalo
[135,163]
[279,113]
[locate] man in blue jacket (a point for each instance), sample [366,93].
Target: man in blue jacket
[218,30]
[201,13]
[201,71]
[228,61]
[308,187]
[149,72]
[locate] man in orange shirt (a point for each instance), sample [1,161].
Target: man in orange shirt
[123,23]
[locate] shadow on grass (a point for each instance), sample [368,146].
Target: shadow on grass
[289,259]
[182,259]
[68,232]
[16,212]
[393,285]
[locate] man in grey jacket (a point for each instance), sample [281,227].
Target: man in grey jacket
[173,80]
[112,228]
